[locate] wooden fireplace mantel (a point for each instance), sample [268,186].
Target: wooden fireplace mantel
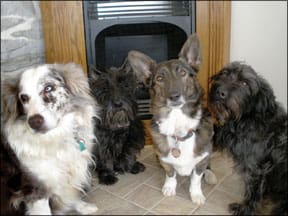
[64,38]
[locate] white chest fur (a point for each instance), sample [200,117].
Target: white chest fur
[178,124]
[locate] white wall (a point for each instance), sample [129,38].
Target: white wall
[259,37]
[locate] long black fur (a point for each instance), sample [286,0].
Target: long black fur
[120,133]
[253,128]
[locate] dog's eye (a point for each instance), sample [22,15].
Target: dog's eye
[244,83]
[48,88]
[183,72]
[24,98]
[224,72]
[159,78]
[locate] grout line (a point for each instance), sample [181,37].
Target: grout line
[122,198]
[133,190]
[156,203]
[230,193]
[156,188]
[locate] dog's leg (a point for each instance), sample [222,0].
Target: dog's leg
[169,187]
[128,161]
[39,207]
[106,175]
[85,208]
[195,182]
[195,188]
[254,188]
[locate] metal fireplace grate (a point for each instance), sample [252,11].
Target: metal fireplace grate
[132,9]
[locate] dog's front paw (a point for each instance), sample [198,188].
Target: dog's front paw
[168,191]
[198,199]
[137,167]
[85,208]
[108,179]
[39,207]
[240,209]
[169,187]
[118,170]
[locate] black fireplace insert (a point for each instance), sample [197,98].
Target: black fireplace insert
[156,28]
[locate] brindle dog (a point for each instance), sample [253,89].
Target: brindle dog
[181,128]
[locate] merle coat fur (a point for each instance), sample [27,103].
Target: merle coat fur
[120,133]
[252,126]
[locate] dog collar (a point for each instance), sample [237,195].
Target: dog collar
[188,135]
[81,144]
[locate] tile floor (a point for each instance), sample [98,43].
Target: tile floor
[141,194]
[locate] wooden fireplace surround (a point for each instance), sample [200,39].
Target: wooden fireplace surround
[64,38]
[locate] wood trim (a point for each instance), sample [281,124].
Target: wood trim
[213,27]
[63,29]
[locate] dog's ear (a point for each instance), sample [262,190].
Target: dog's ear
[191,52]
[93,72]
[74,78]
[265,101]
[142,65]
[11,107]
[125,67]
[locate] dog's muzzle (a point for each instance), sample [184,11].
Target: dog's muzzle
[218,92]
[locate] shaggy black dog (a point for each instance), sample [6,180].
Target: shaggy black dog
[120,133]
[18,186]
[253,128]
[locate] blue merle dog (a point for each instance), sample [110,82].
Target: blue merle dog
[120,133]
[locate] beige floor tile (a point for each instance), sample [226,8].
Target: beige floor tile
[221,160]
[109,204]
[174,206]
[158,179]
[149,213]
[233,184]
[146,151]
[216,204]
[152,160]
[145,196]
[128,182]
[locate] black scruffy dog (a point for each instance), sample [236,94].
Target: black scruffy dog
[253,128]
[120,133]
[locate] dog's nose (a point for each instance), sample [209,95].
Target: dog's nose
[174,96]
[222,93]
[36,121]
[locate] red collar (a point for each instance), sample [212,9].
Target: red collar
[188,135]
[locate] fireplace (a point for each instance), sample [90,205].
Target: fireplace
[156,28]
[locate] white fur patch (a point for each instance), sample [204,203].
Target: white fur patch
[86,208]
[177,123]
[40,207]
[195,189]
